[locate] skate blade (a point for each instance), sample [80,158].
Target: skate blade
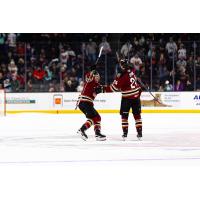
[100,139]
[83,138]
[139,138]
[124,138]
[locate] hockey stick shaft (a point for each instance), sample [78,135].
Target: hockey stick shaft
[100,52]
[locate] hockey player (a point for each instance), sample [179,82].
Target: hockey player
[85,104]
[126,83]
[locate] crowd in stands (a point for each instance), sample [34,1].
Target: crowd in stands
[58,62]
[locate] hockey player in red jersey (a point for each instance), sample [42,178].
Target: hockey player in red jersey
[126,83]
[85,104]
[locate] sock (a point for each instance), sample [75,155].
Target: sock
[87,125]
[125,125]
[138,123]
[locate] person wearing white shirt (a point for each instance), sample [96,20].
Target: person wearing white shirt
[182,52]
[126,48]
[12,39]
[171,47]
[136,61]
[64,56]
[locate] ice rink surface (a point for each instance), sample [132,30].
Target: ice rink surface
[42,157]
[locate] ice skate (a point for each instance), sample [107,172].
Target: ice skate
[139,135]
[83,135]
[124,136]
[99,136]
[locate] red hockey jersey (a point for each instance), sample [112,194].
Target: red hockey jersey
[88,94]
[126,83]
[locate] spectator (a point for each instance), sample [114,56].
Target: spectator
[29,86]
[161,63]
[161,45]
[190,64]
[51,88]
[178,86]
[7,85]
[12,68]
[153,58]
[2,42]
[55,68]
[182,52]
[188,86]
[135,44]
[20,49]
[39,74]
[71,58]
[21,80]
[63,69]
[164,74]
[91,50]
[70,51]
[136,61]
[42,54]
[197,62]
[105,45]
[15,85]
[126,48]
[80,87]
[4,69]
[142,41]
[2,38]
[171,48]
[168,87]
[48,74]
[161,89]
[181,65]
[64,56]
[12,40]
[69,87]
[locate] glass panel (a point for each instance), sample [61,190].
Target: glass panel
[58,62]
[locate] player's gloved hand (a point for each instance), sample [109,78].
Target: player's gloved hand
[99,89]
[93,67]
[95,72]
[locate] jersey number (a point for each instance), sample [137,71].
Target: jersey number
[133,83]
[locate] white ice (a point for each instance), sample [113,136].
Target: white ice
[42,157]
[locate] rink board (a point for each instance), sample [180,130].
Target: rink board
[64,103]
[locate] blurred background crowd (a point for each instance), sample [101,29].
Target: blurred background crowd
[58,62]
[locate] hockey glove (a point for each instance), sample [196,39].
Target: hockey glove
[99,89]
[93,67]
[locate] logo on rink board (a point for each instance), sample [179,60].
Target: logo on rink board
[58,100]
[197,97]
[20,101]
[197,100]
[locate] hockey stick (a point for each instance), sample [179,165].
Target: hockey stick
[97,60]
[100,52]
